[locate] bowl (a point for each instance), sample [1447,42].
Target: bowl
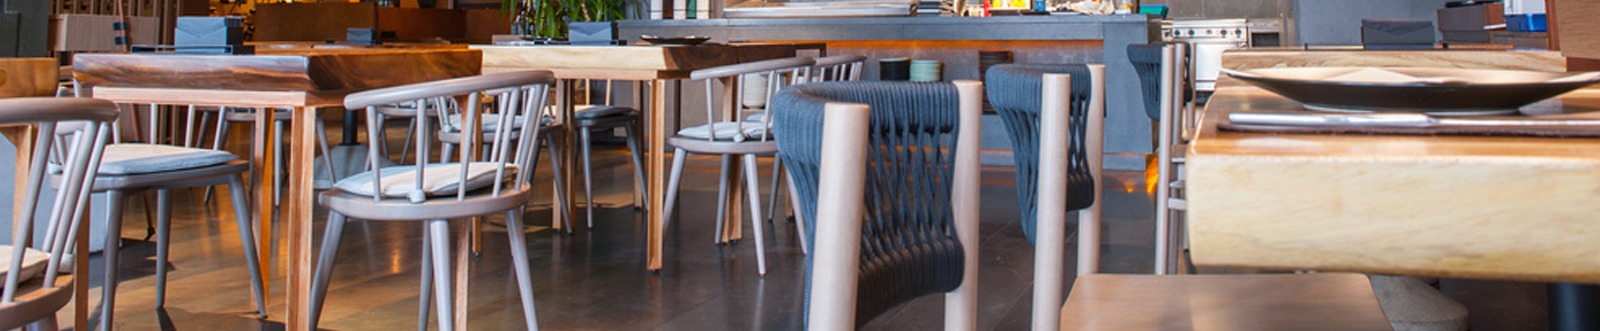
[1452,91]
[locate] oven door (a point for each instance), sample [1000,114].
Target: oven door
[1208,60]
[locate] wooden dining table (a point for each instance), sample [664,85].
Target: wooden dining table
[661,67]
[1514,208]
[302,79]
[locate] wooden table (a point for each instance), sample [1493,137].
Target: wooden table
[660,65]
[304,80]
[1510,208]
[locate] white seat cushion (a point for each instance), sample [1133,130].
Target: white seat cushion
[33,262]
[131,159]
[725,131]
[598,111]
[491,122]
[439,179]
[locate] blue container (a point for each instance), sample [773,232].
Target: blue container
[1526,23]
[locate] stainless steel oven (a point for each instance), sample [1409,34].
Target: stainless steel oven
[1208,39]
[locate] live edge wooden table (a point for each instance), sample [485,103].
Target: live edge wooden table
[1504,208]
[660,65]
[301,79]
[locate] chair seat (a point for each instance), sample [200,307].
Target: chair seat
[33,262]
[702,146]
[133,159]
[489,135]
[725,131]
[361,206]
[491,122]
[438,180]
[598,111]
[35,302]
[236,114]
[1322,301]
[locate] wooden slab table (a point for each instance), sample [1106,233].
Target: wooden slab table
[1509,208]
[304,80]
[659,65]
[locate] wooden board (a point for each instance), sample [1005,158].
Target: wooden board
[312,21]
[1479,59]
[1223,302]
[653,61]
[1514,208]
[318,71]
[28,77]
[1578,30]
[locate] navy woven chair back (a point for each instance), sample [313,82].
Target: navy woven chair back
[1015,92]
[909,243]
[1146,59]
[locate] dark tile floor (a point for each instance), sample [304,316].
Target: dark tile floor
[594,279]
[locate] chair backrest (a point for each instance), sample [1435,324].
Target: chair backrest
[780,73]
[517,94]
[918,192]
[1015,91]
[837,68]
[1165,82]
[82,159]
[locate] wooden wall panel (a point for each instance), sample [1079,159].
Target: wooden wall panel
[311,21]
[1579,30]
[483,24]
[418,24]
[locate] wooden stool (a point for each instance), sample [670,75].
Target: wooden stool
[1324,301]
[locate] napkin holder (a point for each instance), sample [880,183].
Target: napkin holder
[361,36]
[210,35]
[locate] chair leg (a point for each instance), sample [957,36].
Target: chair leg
[327,153]
[588,179]
[1163,227]
[330,251]
[639,195]
[752,179]
[446,150]
[163,243]
[46,324]
[277,158]
[439,237]
[247,236]
[562,202]
[427,280]
[108,292]
[673,178]
[799,217]
[722,199]
[519,261]
[772,200]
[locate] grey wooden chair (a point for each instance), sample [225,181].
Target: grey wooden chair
[1054,112]
[1161,68]
[36,287]
[732,136]
[891,197]
[606,116]
[130,168]
[452,130]
[435,193]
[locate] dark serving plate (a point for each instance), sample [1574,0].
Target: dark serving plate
[685,40]
[1429,90]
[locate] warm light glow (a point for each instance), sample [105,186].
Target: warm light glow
[1151,175]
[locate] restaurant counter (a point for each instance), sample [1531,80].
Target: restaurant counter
[955,41]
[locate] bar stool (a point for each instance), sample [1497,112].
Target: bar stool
[889,174]
[35,287]
[435,193]
[731,136]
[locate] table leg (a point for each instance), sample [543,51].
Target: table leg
[300,206]
[1574,307]
[656,124]
[563,103]
[262,166]
[463,261]
[22,137]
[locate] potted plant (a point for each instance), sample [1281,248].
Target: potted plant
[579,21]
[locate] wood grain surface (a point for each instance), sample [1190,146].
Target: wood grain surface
[313,70]
[28,77]
[1329,301]
[1514,208]
[1579,32]
[1471,58]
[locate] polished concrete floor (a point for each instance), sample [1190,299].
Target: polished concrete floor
[594,278]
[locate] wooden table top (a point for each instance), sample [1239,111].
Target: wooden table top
[28,77]
[1518,208]
[626,62]
[281,69]
[1324,301]
[1251,58]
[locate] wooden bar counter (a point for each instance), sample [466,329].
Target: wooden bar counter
[1511,208]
